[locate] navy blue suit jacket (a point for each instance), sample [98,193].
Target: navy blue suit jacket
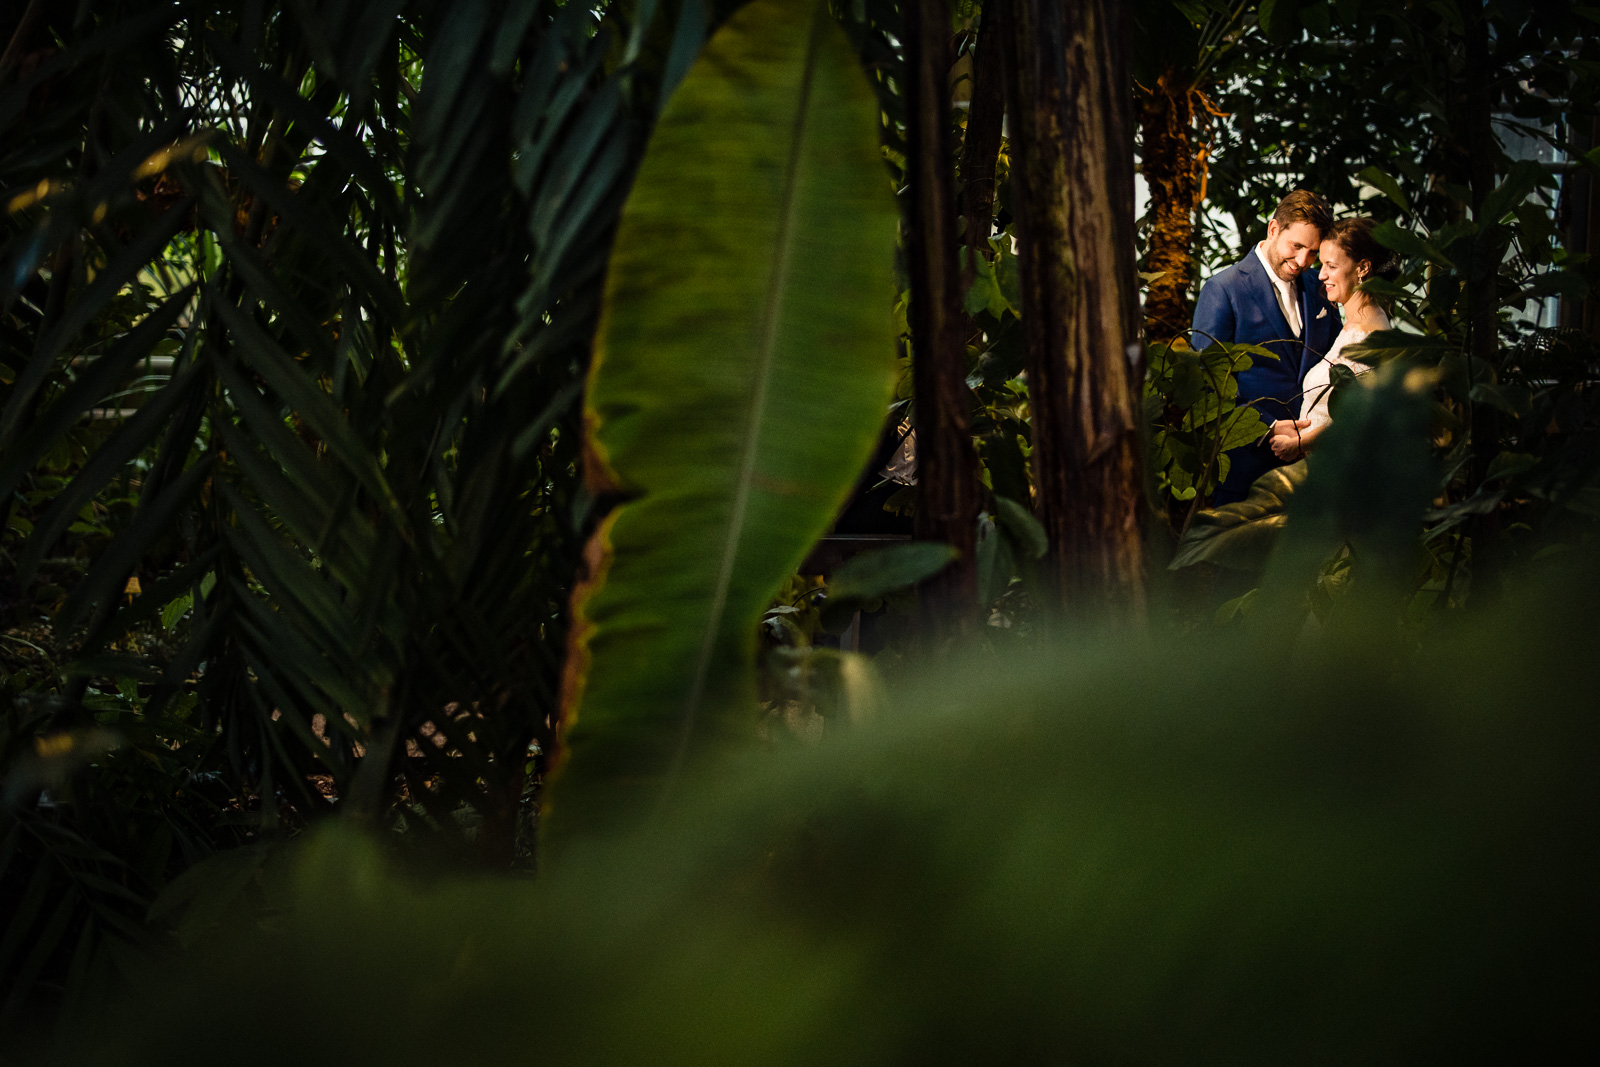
[1239,305]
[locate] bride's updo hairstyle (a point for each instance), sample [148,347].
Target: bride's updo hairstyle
[1354,237]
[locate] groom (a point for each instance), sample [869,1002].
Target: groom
[1271,298]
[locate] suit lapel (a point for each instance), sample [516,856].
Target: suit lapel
[1265,294]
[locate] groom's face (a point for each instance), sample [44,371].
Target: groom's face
[1291,248]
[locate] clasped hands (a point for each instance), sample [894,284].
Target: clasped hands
[1289,441]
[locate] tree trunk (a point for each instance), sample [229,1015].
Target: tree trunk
[980,148]
[947,465]
[1072,176]
[1172,170]
[1483,340]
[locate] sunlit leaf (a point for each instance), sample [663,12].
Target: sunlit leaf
[745,303]
[1240,536]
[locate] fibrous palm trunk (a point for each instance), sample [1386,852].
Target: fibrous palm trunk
[1173,169]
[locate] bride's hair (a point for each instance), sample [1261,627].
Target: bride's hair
[1354,237]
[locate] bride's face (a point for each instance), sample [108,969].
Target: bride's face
[1339,273]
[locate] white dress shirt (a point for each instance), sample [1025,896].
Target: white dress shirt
[1286,296]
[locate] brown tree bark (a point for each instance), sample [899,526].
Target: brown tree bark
[947,464]
[1173,170]
[980,148]
[1072,180]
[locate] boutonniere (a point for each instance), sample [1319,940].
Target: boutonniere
[1322,314]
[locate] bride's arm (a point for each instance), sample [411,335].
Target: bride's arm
[1291,440]
[1309,435]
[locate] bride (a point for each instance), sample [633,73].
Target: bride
[1350,255]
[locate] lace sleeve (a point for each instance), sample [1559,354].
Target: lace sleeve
[1347,338]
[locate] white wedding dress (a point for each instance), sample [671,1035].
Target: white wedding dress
[1318,384]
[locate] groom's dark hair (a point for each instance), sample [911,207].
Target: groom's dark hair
[1303,205]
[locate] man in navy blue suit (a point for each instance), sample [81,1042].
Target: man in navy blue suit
[1271,298]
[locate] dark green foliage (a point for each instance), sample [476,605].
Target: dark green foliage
[367,241]
[1240,535]
[1191,403]
[1099,855]
[1338,87]
[1100,852]
[369,237]
[876,574]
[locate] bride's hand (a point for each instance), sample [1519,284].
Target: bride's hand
[1287,442]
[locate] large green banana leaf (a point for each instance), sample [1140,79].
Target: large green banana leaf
[741,373]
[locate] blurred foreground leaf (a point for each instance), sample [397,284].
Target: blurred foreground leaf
[1094,853]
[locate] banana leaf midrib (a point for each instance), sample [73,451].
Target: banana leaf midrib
[766,360]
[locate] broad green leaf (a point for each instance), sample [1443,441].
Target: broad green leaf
[1510,464]
[176,610]
[1185,380]
[738,382]
[1278,20]
[1317,18]
[1525,176]
[1409,244]
[1236,608]
[1025,530]
[1387,290]
[886,570]
[1240,427]
[1380,346]
[1385,185]
[1569,284]
[1228,356]
[996,562]
[1497,396]
[687,38]
[1239,536]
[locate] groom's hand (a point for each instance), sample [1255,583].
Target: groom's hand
[1286,439]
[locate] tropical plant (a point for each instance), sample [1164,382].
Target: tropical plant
[1104,826]
[1181,52]
[1192,408]
[739,383]
[332,272]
